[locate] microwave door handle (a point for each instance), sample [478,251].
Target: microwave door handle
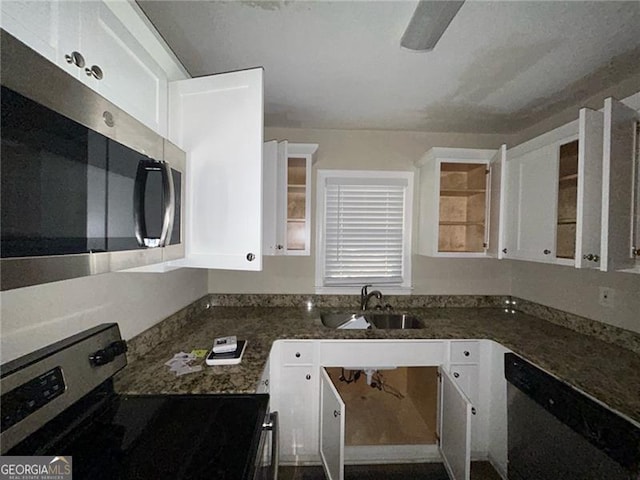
[169,204]
[139,223]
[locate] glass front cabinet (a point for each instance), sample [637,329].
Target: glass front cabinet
[287,197]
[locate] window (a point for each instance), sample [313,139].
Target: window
[363,230]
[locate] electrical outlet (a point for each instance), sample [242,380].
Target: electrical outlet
[606,297]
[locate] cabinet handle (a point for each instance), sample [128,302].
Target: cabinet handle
[251,257]
[456,374]
[636,252]
[546,251]
[75,58]
[95,72]
[336,413]
[279,247]
[504,250]
[297,354]
[591,257]
[466,353]
[473,410]
[308,377]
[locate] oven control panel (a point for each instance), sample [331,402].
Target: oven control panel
[30,397]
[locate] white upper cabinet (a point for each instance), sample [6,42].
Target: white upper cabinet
[458,194]
[497,202]
[50,28]
[131,78]
[553,192]
[218,121]
[90,42]
[589,188]
[621,192]
[531,193]
[287,197]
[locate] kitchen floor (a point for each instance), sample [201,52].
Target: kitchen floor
[414,471]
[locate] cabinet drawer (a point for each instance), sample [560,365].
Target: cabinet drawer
[297,353]
[464,352]
[382,353]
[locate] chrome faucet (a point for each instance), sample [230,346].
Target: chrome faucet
[365,296]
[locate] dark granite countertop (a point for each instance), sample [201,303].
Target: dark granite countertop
[607,372]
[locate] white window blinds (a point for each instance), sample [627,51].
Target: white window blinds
[366,231]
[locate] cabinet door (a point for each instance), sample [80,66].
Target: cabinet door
[466,377]
[298,408]
[332,420]
[617,188]
[455,428]
[270,196]
[218,121]
[50,28]
[495,212]
[531,203]
[131,77]
[589,205]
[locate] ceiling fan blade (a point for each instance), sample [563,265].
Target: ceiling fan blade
[429,21]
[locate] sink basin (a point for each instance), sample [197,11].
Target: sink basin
[377,320]
[337,320]
[394,321]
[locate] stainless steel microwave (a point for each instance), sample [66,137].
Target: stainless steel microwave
[85,188]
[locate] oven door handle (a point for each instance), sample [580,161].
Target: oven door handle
[273,426]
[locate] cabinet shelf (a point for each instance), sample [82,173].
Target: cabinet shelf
[566,178]
[464,224]
[461,192]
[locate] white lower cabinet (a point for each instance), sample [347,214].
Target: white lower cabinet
[390,401]
[455,428]
[294,391]
[405,414]
[332,428]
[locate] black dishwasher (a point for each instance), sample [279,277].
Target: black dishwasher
[555,432]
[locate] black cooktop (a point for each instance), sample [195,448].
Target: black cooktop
[156,437]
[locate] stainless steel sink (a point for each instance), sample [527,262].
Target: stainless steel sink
[377,320]
[337,320]
[394,321]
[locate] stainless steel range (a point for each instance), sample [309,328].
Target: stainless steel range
[60,401]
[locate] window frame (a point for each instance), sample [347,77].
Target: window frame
[403,288]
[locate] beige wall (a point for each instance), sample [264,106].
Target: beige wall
[562,287]
[375,150]
[577,291]
[34,317]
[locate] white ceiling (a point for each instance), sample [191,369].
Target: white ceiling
[500,66]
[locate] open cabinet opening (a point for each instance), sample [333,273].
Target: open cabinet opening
[463,196]
[398,407]
[567,200]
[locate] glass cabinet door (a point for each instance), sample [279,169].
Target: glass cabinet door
[297,238]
